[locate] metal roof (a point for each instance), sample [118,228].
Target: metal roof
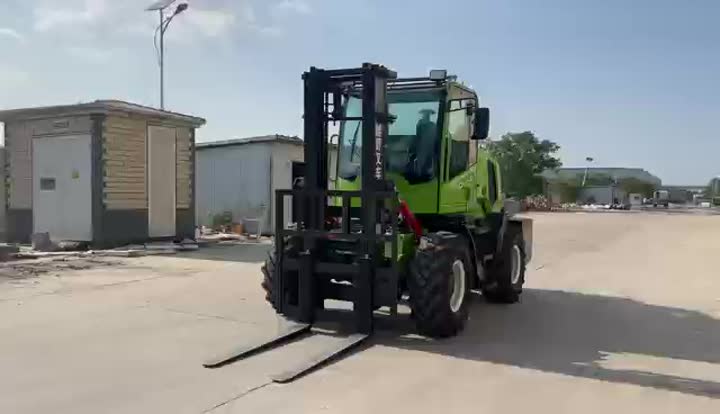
[96,107]
[250,140]
[615,172]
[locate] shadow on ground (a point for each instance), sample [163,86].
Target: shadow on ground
[572,333]
[234,252]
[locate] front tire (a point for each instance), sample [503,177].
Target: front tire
[508,270]
[439,284]
[269,270]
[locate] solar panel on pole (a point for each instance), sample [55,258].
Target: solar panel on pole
[160,5]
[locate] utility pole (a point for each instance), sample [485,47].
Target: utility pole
[587,168]
[162,61]
[160,6]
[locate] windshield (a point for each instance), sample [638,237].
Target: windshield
[411,142]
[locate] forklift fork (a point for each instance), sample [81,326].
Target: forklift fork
[330,349]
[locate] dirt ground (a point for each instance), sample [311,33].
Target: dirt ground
[621,312]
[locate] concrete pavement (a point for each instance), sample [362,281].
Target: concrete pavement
[621,311]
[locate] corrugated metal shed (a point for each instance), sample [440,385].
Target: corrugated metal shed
[239,177]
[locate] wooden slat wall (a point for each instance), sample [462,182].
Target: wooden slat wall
[124,158]
[3,199]
[18,142]
[184,168]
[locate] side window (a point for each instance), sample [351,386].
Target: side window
[459,130]
[492,182]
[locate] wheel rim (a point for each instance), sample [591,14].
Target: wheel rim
[516,262]
[458,283]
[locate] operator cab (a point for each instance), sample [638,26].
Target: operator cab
[424,109]
[412,139]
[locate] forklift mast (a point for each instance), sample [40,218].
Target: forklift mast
[324,89]
[372,281]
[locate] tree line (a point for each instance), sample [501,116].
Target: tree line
[523,157]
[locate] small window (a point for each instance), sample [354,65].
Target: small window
[47,184]
[492,182]
[459,129]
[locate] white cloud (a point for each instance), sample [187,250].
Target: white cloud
[11,33]
[90,54]
[211,23]
[51,17]
[271,31]
[292,6]
[108,21]
[10,76]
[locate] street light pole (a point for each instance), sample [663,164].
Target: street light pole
[587,168]
[162,61]
[160,6]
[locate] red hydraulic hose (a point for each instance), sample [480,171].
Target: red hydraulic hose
[410,219]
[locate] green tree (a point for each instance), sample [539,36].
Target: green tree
[522,157]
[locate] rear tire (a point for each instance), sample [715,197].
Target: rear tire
[439,284]
[507,273]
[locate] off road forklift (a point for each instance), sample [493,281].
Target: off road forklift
[416,213]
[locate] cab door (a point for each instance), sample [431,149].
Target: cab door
[456,178]
[487,196]
[495,194]
[478,203]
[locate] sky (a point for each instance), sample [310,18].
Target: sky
[630,83]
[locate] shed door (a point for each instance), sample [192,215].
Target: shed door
[62,189]
[161,181]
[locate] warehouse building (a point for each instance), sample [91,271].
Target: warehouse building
[237,179]
[614,173]
[602,185]
[105,172]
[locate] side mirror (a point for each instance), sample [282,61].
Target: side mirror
[482,123]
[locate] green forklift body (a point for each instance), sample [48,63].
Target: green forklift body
[462,179]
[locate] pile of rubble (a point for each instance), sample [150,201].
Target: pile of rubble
[206,235]
[43,247]
[565,207]
[536,203]
[133,250]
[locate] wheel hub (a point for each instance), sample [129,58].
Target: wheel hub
[516,264]
[458,285]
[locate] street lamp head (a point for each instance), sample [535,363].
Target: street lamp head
[181,8]
[160,5]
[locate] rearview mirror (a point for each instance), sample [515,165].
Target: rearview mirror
[482,123]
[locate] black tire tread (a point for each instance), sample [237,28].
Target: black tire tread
[503,291]
[269,270]
[428,285]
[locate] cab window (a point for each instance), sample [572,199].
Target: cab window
[459,132]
